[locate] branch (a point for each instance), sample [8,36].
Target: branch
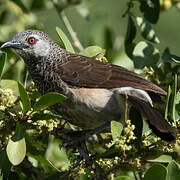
[66,22]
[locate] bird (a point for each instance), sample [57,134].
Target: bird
[96,91]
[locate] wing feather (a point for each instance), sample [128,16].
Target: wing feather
[81,71]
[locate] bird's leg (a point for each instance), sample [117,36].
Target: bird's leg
[76,139]
[83,151]
[84,135]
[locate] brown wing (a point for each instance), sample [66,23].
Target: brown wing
[81,71]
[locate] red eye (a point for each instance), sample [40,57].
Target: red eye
[31,40]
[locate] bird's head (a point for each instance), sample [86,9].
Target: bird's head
[30,43]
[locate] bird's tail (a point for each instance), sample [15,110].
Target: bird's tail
[155,120]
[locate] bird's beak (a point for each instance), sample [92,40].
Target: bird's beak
[15,45]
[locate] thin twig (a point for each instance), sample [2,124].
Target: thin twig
[66,22]
[73,34]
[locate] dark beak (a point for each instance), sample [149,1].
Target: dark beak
[15,45]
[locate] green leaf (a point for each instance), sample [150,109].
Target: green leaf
[35,95]
[20,132]
[162,159]
[40,159]
[173,171]
[130,35]
[65,40]
[5,165]
[131,31]
[93,51]
[156,172]
[116,129]
[16,151]
[124,178]
[16,147]
[43,116]
[145,54]
[175,58]
[146,30]
[3,57]
[24,98]
[47,100]
[151,10]
[168,57]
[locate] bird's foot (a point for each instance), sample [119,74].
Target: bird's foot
[76,140]
[73,137]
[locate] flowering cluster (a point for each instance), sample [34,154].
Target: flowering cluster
[6,98]
[127,137]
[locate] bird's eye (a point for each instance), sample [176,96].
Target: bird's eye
[31,40]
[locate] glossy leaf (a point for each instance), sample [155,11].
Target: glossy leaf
[3,57]
[47,100]
[20,132]
[131,31]
[24,98]
[35,95]
[93,51]
[162,159]
[116,129]
[151,10]
[156,172]
[16,147]
[65,40]
[146,30]
[145,54]
[5,165]
[43,116]
[173,171]
[130,36]
[16,151]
